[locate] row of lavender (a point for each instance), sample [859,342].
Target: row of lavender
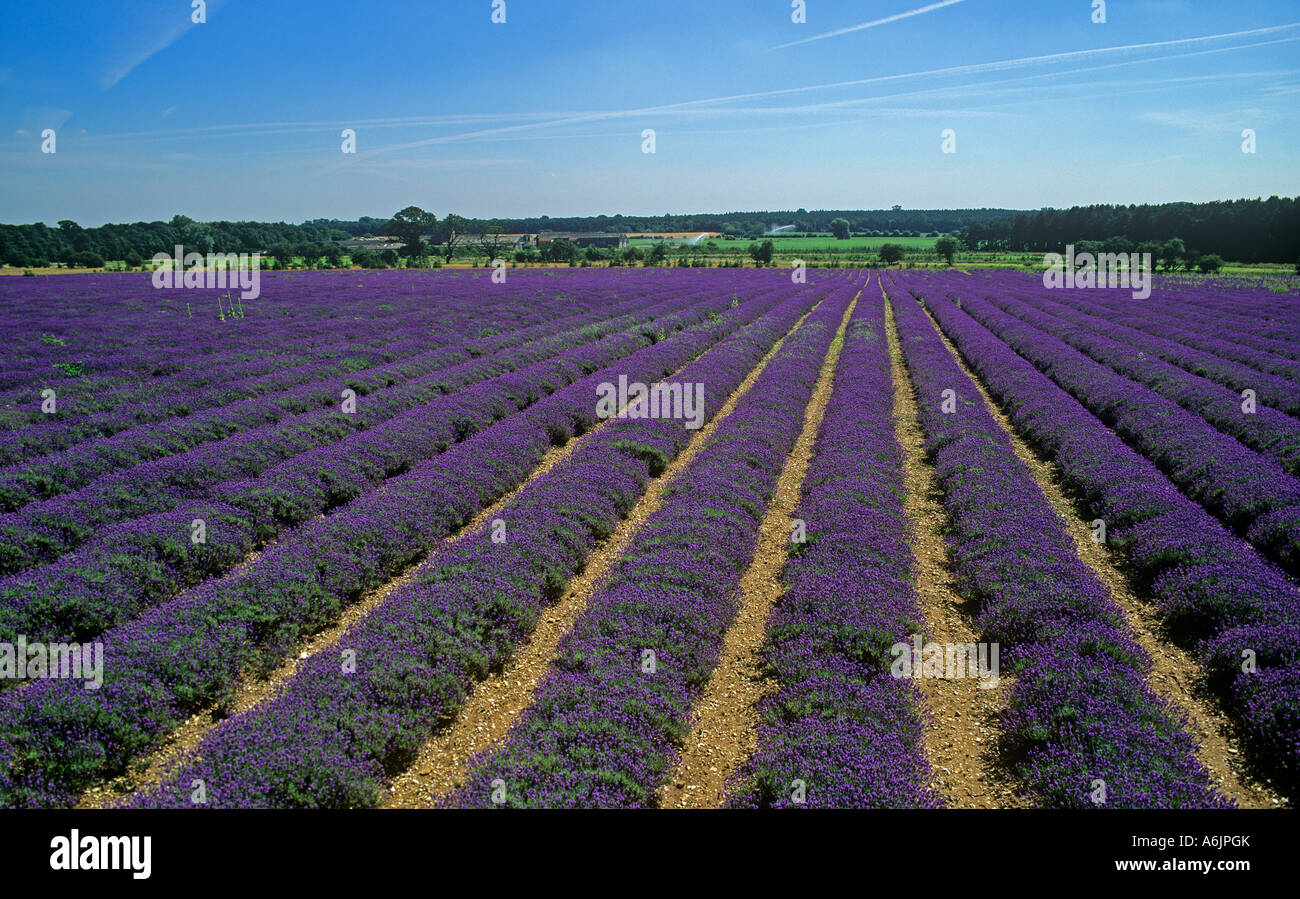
[62,472]
[149,560]
[1249,492]
[300,320]
[1271,433]
[334,734]
[1181,315]
[42,531]
[295,356]
[1175,345]
[1255,311]
[1212,589]
[606,721]
[1082,726]
[840,725]
[138,343]
[180,657]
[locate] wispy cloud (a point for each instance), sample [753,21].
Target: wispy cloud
[170,23]
[975,69]
[873,24]
[1210,123]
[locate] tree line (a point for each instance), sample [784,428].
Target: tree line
[1241,230]
[69,243]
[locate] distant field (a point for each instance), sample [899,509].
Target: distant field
[807,244]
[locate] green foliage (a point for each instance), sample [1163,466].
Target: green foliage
[1210,264]
[891,253]
[409,225]
[947,248]
[840,228]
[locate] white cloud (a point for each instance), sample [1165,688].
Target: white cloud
[872,24]
[160,26]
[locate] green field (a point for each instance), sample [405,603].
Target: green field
[810,244]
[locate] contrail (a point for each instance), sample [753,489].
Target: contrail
[977,68]
[885,21]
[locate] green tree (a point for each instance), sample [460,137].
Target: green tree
[409,225]
[891,253]
[1210,264]
[947,248]
[658,253]
[492,244]
[451,233]
[134,259]
[282,253]
[559,251]
[840,228]
[762,252]
[367,259]
[1171,251]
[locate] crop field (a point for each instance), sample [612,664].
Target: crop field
[649,538]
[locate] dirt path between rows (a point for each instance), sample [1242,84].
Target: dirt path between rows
[444,762]
[1175,674]
[961,735]
[253,691]
[725,732]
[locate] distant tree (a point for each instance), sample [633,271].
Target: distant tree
[632,255]
[1171,251]
[17,258]
[309,252]
[451,233]
[1154,247]
[390,258]
[1117,245]
[658,253]
[1210,264]
[762,252]
[133,259]
[891,253]
[1091,247]
[492,243]
[367,259]
[595,254]
[840,228]
[947,248]
[282,253]
[559,251]
[410,224]
[333,254]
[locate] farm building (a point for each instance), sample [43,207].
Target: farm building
[378,244]
[600,239]
[505,241]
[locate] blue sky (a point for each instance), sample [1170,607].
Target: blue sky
[241,117]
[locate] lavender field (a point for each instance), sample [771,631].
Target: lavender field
[649,538]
